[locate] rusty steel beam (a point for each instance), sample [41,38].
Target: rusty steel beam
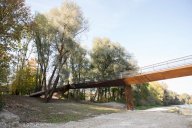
[129,97]
[107,83]
[159,75]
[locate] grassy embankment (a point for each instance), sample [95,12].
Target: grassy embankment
[35,110]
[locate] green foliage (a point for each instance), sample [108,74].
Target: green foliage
[79,65]
[2,102]
[4,64]
[15,16]
[110,58]
[25,79]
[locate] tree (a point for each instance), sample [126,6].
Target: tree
[4,65]
[79,64]
[15,17]
[109,58]
[25,78]
[43,37]
[67,22]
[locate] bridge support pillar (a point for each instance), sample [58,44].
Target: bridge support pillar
[129,97]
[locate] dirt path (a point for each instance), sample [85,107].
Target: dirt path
[155,117]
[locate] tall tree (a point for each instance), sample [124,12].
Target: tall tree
[79,64]
[15,17]
[68,22]
[43,37]
[109,58]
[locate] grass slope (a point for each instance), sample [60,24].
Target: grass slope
[35,110]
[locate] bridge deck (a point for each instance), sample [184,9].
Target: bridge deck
[160,75]
[143,78]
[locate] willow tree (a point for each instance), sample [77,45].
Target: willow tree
[79,64]
[43,37]
[67,23]
[110,58]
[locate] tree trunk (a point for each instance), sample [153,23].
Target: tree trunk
[93,98]
[68,92]
[45,86]
[98,94]
[113,95]
[109,94]
[84,94]
[53,89]
[51,78]
[37,78]
[90,94]
[121,94]
[105,92]
[74,91]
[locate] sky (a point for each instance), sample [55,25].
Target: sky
[153,30]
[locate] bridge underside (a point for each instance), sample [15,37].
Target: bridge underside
[143,78]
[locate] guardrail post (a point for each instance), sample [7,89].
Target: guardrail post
[184,62]
[167,65]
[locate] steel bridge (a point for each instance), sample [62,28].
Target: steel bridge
[179,67]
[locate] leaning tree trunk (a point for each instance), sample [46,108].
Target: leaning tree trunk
[93,98]
[53,89]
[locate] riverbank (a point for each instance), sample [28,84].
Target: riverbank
[150,118]
[185,109]
[33,113]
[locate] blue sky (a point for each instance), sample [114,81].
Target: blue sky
[153,30]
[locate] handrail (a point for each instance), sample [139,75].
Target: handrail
[168,61]
[167,64]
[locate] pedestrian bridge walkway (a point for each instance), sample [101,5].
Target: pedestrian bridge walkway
[179,67]
[165,70]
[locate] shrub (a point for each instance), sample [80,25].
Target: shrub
[143,102]
[2,104]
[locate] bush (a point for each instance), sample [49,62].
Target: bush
[2,104]
[157,101]
[151,101]
[143,102]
